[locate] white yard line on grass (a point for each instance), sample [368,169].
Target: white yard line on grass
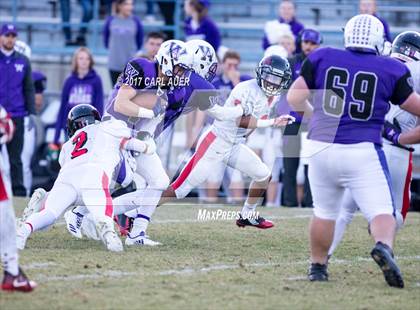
[39,265]
[194,271]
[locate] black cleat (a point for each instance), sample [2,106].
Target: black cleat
[318,272]
[259,222]
[383,256]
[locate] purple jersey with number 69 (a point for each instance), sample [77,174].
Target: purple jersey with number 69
[351,90]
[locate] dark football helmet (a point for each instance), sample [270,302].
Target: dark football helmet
[273,74]
[81,116]
[406,46]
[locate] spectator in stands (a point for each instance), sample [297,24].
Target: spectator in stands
[310,40]
[152,44]
[87,15]
[167,9]
[287,41]
[369,7]
[17,97]
[123,36]
[82,86]
[198,25]
[287,11]
[30,132]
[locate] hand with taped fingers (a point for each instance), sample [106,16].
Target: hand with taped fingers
[283,120]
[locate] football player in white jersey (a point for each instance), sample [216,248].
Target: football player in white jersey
[14,279]
[225,140]
[202,57]
[88,161]
[399,124]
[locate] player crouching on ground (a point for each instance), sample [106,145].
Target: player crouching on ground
[88,160]
[225,140]
[14,278]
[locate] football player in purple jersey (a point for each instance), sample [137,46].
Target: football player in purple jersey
[348,111]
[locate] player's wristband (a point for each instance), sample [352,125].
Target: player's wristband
[264,123]
[145,113]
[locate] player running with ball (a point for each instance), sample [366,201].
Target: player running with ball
[225,140]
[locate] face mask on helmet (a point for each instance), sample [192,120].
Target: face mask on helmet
[273,84]
[273,75]
[406,46]
[204,59]
[172,56]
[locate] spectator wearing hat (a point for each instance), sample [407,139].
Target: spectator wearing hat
[292,140]
[369,7]
[198,25]
[123,36]
[287,11]
[17,97]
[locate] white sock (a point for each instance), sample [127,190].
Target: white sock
[145,211]
[248,210]
[340,228]
[41,220]
[139,225]
[8,251]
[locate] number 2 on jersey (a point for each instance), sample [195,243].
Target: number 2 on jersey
[362,95]
[79,142]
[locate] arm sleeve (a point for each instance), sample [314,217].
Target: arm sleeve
[29,89]
[107,31]
[61,112]
[139,34]
[307,72]
[403,89]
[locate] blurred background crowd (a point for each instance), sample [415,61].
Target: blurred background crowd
[71,52]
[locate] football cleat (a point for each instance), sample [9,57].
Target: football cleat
[259,222]
[109,237]
[22,234]
[318,272]
[74,223]
[383,256]
[34,204]
[141,239]
[19,283]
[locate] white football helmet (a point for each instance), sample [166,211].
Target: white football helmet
[170,54]
[204,59]
[364,31]
[23,48]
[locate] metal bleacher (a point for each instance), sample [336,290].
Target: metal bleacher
[241,23]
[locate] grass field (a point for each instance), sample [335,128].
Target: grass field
[214,265]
